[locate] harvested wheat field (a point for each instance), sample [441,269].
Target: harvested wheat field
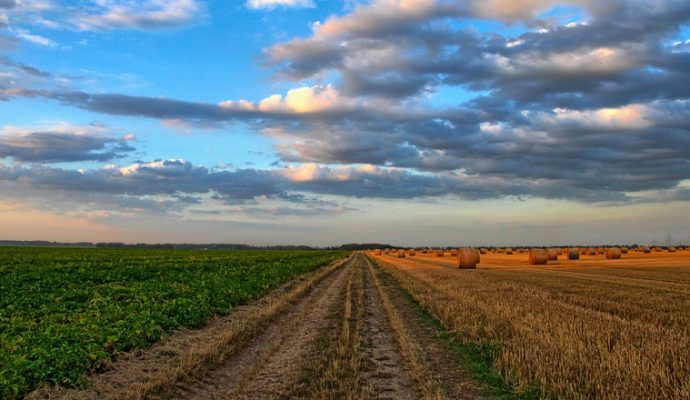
[593,328]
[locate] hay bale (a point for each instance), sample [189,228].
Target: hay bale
[411,253]
[509,251]
[377,252]
[483,250]
[467,258]
[613,253]
[439,253]
[574,253]
[401,254]
[538,257]
[624,250]
[453,253]
[553,254]
[671,249]
[591,251]
[645,249]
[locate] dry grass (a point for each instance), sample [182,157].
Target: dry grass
[341,357]
[593,328]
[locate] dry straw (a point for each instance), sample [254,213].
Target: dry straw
[572,253]
[613,253]
[467,258]
[553,254]
[538,257]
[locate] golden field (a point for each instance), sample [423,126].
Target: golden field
[584,329]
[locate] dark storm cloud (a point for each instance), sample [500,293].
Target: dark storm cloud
[50,147]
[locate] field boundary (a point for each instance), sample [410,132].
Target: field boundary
[187,354]
[478,358]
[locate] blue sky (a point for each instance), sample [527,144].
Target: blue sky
[322,122]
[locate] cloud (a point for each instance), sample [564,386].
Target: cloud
[24,68]
[415,49]
[62,143]
[271,4]
[590,110]
[33,38]
[8,3]
[145,15]
[299,100]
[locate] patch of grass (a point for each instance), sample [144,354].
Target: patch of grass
[477,359]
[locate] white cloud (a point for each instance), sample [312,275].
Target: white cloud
[635,116]
[147,15]
[270,4]
[305,99]
[35,39]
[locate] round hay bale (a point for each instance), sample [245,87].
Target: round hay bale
[509,250]
[483,250]
[645,249]
[401,254]
[591,251]
[467,258]
[574,254]
[538,257]
[411,252]
[377,252]
[553,254]
[613,253]
[453,253]
[671,249]
[439,253]
[624,250]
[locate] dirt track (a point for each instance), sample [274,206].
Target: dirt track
[344,328]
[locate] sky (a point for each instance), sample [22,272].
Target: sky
[410,122]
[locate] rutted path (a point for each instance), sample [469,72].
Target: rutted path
[348,332]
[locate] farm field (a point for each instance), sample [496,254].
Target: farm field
[362,326]
[67,312]
[588,328]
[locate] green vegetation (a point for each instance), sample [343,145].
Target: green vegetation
[63,312]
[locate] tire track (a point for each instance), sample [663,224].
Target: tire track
[271,363]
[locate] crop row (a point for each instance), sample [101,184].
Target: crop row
[67,312]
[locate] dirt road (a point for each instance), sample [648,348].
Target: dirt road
[353,335]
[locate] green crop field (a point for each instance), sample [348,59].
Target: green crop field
[63,311]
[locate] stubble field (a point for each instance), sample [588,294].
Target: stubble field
[591,328]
